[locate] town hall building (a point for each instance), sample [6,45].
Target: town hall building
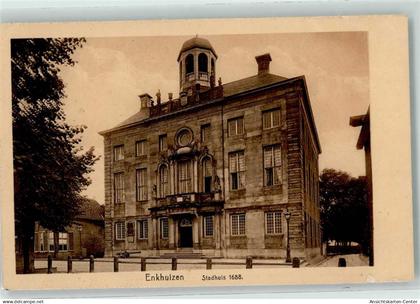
[222,170]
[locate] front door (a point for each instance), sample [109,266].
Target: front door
[185,233]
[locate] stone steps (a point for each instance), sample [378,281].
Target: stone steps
[182,254]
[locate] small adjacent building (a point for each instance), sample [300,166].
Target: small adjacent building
[214,170]
[83,238]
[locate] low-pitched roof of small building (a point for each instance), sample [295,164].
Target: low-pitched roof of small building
[91,210]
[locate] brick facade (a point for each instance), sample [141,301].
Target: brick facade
[239,205]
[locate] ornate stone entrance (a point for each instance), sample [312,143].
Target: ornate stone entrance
[185,233]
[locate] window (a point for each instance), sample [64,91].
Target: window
[163,181]
[271,119]
[205,133]
[118,152]
[272,165]
[184,176]
[164,228]
[143,228]
[237,224]
[202,62]
[207,174]
[50,241]
[237,170]
[141,147]
[141,184]
[62,241]
[208,225]
[119,231]
[235,126]
[119,188]
[189,64]
[273,222]
[184,137]
[163,146]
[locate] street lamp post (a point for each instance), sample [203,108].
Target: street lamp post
[287,217]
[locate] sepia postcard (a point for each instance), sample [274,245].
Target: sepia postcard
[178,153]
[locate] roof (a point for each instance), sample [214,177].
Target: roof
[250,83]
[139,116]
[229,89]
[90,210]
[196,42]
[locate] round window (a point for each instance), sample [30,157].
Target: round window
[184,137]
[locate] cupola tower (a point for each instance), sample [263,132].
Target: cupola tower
[197,65]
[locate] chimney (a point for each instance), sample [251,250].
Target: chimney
[263,62]
[158,97]
[145,101]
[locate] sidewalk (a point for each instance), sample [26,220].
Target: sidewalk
[351,260]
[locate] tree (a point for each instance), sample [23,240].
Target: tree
[344,209]
[50,166]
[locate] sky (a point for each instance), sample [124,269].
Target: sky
[102,88]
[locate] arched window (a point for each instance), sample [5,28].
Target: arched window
[163,181]
[207,174]
[213,72]
[189,64]
[202,62]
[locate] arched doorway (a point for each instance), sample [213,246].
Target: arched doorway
[185,233]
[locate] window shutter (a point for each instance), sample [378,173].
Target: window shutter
[240,126]
[268,157]
[241,161]
[277,155]
[266,120]
[231,127]
[233,162]
[145,229]
[276,118]
[277,175]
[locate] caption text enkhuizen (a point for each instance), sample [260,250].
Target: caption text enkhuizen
[179,277]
